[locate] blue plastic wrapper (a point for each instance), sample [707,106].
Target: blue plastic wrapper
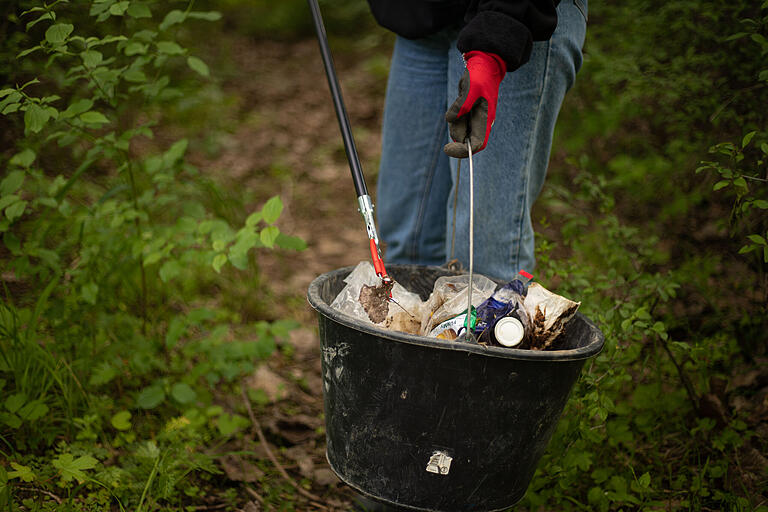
[506,301]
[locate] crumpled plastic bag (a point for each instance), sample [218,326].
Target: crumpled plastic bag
[449,298]
[403,316]
[549,313]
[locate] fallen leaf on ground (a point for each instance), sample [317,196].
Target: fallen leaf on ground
[273,385]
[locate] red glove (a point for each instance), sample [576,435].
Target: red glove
[472,114]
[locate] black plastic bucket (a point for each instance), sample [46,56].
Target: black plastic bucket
[429,424]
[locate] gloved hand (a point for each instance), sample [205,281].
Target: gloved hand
[473,112]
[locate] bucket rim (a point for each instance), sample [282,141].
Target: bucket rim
[315,300]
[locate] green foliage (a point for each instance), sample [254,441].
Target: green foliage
[292,18]
[108,363]
[625,233]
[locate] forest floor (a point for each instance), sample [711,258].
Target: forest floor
[287,142]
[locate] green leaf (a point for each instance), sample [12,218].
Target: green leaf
[208,16]
[175,152]
[14,402]
[91,58]
[6,92]
[73,468]
[119,8]
[183,393]
[218,261]
[12,182]
[172,18]
[77,108]
[228,424]
[93,117]
[740,182]
[745,249]
[721,184]
[58,33]
[35,118]
[268,235]
[12,242]
[272,209]
[290,242]
[46,16]
[33,410]
[121,420]
[644,480]
[137,10]
[760,203]
[169,270]
[135,48]
[757,239]
[9,199]
[150,397]
[89,292]
[253,219]
[23,473]
[176,330]
[102,374]
[135,76]
[169,48]
[26,52]
[198,65]
[16,210]
[747,138]
[11,420]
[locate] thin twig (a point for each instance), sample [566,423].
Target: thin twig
[263,440]
[42,491]
[211,507]
[254,494]
[683,377]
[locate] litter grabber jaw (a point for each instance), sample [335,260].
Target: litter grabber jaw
[366,210]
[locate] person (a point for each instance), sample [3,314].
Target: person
[497,71]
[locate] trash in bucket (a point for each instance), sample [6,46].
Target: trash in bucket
[541,315]
[436,425]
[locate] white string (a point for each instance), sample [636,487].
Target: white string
[471,238]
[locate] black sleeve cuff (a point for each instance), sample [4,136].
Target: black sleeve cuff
[495,32]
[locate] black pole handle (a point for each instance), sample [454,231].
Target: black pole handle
[338,102]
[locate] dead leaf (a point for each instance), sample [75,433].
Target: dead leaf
[303,460]
[296,429]
[305,342]
[375,300]
[240,470]
[274,386]
[324,477]
[251,506]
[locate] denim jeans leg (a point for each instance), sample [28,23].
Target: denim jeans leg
[413,183]
[510,172]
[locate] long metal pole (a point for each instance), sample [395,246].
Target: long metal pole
[338,102]
[363,199]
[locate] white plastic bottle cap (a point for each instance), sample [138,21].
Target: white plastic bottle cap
[509,331]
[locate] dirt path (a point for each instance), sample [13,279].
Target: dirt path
[287,142]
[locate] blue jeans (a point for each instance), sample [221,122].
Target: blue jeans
[417,180]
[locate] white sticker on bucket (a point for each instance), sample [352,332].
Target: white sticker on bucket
[439,463]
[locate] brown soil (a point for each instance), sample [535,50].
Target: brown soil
[287,142]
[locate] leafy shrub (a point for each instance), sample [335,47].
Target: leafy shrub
[645,244]
[107,253]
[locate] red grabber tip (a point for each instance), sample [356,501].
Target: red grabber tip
[526,274]
[378,264]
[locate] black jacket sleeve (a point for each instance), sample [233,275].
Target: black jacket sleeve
[507,28]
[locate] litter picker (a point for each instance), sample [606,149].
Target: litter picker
[363,199]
